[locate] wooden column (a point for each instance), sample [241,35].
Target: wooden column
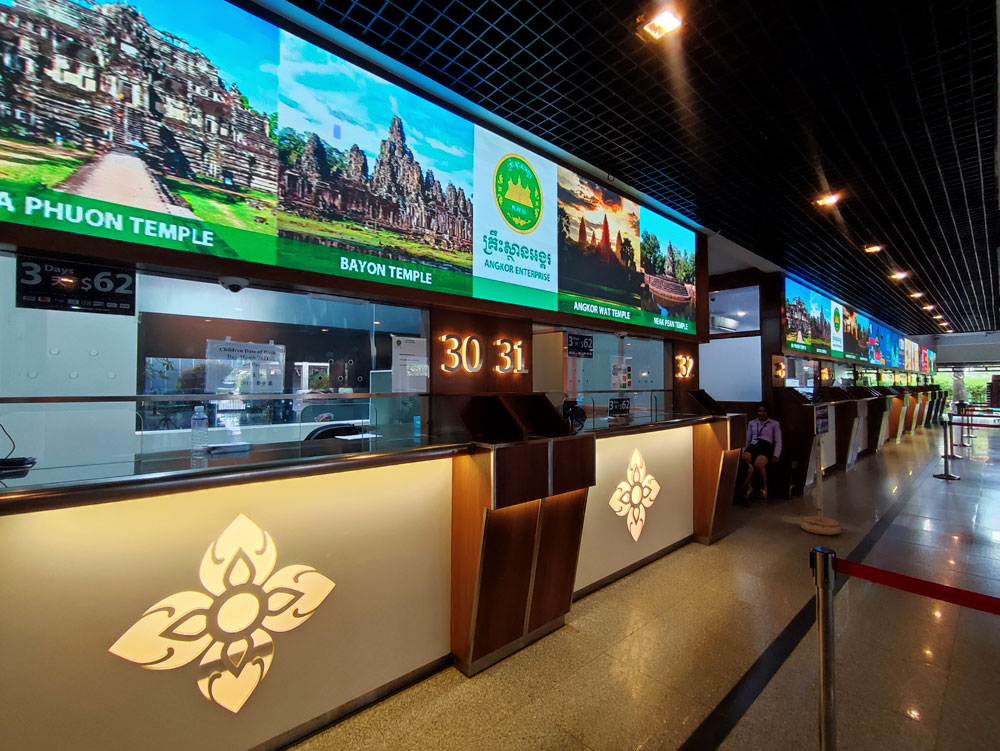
[846,415]
[517,523]
[714,480]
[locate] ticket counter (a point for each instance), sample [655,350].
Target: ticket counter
[290,593]
[873,418]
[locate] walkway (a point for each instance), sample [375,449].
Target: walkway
[645,662]
[122,177]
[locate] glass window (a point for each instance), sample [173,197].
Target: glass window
[617,367]
[800,373]
[269,368]
[843,374]
[734,310]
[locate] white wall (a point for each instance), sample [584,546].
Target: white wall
[62,353]
[729,369]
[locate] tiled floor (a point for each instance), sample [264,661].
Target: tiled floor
[641,663]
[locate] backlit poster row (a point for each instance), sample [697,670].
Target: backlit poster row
[816,324]
[149,122]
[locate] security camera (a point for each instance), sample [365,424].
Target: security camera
[234,283]
[621,334]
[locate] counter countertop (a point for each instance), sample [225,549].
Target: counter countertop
[178,471]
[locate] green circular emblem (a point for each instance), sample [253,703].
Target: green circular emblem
[518,193]
[836,319]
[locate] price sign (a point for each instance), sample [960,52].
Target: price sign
[69,285]
[580,345]
[619,407]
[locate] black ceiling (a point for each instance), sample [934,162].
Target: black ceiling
[743,117]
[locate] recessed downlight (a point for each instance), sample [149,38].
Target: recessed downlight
[662,24]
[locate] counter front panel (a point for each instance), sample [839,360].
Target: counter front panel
[221,618]
[641,503]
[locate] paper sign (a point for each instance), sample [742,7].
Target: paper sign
[409,364]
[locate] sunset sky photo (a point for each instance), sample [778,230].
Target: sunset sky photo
[580,197]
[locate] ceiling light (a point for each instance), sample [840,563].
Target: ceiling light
[939,316]
[665,22]
[873,248]
[916,294]
[830,199]
[928,307]
[377,323]
[942,323]
[741,313]
[897,275]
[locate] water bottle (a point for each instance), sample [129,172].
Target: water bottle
[416,429]
[199,431]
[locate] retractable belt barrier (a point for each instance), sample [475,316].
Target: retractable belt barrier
[825,565]
[921,587]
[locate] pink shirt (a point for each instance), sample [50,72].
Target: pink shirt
[769,430]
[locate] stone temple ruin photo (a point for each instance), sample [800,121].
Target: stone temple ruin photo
[380,172]
[112,101]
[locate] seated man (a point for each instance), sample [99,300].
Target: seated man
[763,445]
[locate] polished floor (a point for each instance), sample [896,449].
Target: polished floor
[701,649]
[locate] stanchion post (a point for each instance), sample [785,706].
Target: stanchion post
[949,441]
[962,410]
[821,560]
[948,456]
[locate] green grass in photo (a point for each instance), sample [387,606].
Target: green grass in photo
[364,239]
[29,163]
[248,229]
[223,207]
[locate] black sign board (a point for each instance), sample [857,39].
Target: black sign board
[619,407]
[822,419]
[580,345]
[70,285]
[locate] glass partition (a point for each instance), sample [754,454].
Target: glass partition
[95,395]
[800,372]
[80,439]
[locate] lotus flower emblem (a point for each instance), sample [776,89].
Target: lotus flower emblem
[229,624]
[632,497]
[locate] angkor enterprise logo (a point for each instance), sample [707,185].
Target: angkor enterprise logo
[836,319]
[518,193]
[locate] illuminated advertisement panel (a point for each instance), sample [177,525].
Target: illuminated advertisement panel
[836,329]
[855,335]
[816,324]
[375,182]
[149,122]
[819,322]
[622,262]
[798,329]
[514,257]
